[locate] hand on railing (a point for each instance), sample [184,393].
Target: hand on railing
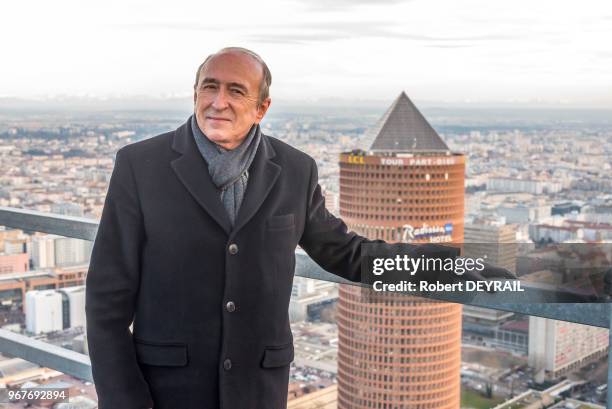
[489,272]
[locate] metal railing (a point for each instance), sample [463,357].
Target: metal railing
[78,365]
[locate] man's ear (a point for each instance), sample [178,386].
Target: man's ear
[262,109]
[195,95]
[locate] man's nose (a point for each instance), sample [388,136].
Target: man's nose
[220,100]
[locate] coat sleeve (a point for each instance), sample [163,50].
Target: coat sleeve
[326,238]
[111,289]
[328,242]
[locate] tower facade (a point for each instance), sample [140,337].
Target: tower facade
[398,351]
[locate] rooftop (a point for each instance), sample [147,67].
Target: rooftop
[404,129]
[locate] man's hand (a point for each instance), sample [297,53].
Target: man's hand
[489,272]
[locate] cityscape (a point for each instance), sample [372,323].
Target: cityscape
[489,176]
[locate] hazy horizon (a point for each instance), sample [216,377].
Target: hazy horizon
[185,102]
[443,117]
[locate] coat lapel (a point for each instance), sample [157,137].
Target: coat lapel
[262,176]
[192,171]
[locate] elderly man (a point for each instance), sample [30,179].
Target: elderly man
[196,247]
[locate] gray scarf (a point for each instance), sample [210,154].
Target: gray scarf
[228,168]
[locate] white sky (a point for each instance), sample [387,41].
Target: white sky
[474,50]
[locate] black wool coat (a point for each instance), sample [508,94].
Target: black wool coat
[209,303]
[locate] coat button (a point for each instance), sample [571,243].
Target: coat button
[233,248]
[230,306]
[227,364]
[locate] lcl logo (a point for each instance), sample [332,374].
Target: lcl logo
[356,160]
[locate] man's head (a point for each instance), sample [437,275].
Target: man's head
[231,93]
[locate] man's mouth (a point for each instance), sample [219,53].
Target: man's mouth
[217,118]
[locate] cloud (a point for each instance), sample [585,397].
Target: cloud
[313,33]
[166,26]
[316,32]
[450,45]
[605,54]
[345,4]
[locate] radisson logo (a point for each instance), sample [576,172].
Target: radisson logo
[409,233]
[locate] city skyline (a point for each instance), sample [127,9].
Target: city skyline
[547,52]
[524,170]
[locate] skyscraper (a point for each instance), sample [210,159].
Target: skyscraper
[399,351]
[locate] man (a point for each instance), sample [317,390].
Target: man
[196,246]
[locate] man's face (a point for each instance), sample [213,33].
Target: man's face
[226,98]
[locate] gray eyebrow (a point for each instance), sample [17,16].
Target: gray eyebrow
[208,80]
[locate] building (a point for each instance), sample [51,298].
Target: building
[13,290]
[15,245]
[312,300]
[15,372]
[495,329]
[14,263]
[551,398]
[325,398]
[598,212]
[564,208]
[521,213]
[56,251]
[69,251]
[67,209]
[12,241]
[55,310]
[43,251]
[513,336]
[43,311]
[557,348]
[396,350]
[567,230]
[480,324]
[511,185]
[73,306]
[497,242]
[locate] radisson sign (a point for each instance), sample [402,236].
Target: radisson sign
[436,234]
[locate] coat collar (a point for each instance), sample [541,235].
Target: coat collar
[192,171]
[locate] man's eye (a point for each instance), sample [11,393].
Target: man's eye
[208,86]
[237,91]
